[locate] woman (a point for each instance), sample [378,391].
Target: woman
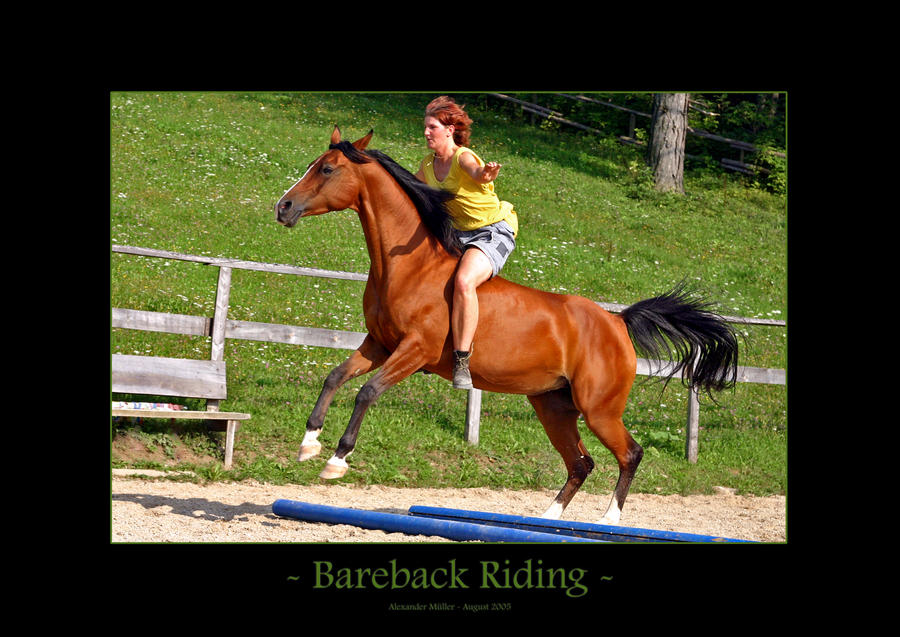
[482,220]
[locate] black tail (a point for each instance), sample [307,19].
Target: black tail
[681,321]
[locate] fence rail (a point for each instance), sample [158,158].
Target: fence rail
[220,327]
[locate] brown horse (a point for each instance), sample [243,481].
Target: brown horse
[569,356]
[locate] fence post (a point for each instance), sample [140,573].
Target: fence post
[692,428]
[473,415]
[693,425]
[223,292]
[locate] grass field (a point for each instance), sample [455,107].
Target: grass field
[199,173]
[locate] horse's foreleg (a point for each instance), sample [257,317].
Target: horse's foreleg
[405,360]
[558,414]
[369,356]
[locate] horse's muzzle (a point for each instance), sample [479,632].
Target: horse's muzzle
[286,213]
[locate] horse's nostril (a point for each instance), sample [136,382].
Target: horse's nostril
[285,205]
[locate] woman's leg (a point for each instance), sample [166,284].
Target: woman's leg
[474,269]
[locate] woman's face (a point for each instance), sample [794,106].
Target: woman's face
[437,136]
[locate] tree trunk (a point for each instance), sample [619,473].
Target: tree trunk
[668,129]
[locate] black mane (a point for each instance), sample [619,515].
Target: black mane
[427,200]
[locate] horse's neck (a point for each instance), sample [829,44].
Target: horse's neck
[396,238]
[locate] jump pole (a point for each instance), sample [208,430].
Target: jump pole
[599,532]
[461,531]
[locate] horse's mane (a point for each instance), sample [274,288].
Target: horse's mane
[428,201]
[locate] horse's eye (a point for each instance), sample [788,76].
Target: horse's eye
[327,170]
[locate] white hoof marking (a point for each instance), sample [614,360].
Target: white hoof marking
[613,513]
[334,468]
[554,512]
[309,451]
[310,446]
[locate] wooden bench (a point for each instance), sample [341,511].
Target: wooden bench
[180,377]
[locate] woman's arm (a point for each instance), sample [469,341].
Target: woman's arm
[481,174]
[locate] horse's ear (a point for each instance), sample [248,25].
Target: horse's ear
[360,144]
[336,135]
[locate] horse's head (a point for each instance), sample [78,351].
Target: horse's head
[330,183]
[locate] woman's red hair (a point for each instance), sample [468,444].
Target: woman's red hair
[449,113]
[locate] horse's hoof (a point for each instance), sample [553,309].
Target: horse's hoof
[334,468]
[554,512]
[308,451]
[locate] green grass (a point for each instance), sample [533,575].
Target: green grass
[199,173]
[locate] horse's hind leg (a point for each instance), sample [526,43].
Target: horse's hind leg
[611,431]
[558,414]
[369,356]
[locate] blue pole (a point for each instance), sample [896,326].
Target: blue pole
[601,532]
[413,525]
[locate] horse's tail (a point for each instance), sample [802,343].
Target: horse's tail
[700,338]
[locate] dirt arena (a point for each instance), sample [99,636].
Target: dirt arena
[152,510]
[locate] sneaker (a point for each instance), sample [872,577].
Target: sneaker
[462,379]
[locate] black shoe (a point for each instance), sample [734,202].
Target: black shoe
[462,379]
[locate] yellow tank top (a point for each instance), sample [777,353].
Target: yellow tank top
[474,205]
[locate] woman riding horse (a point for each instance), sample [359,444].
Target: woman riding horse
[481,219]
[580,362]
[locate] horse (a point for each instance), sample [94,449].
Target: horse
[569,356]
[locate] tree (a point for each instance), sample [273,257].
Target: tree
[668,129]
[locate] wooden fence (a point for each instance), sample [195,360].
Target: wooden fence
[737,165]
[220,327]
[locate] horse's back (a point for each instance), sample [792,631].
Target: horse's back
[552,336]
[511,304]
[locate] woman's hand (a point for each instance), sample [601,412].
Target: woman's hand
[490,172]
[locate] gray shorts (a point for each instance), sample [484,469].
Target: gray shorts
[496,241]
